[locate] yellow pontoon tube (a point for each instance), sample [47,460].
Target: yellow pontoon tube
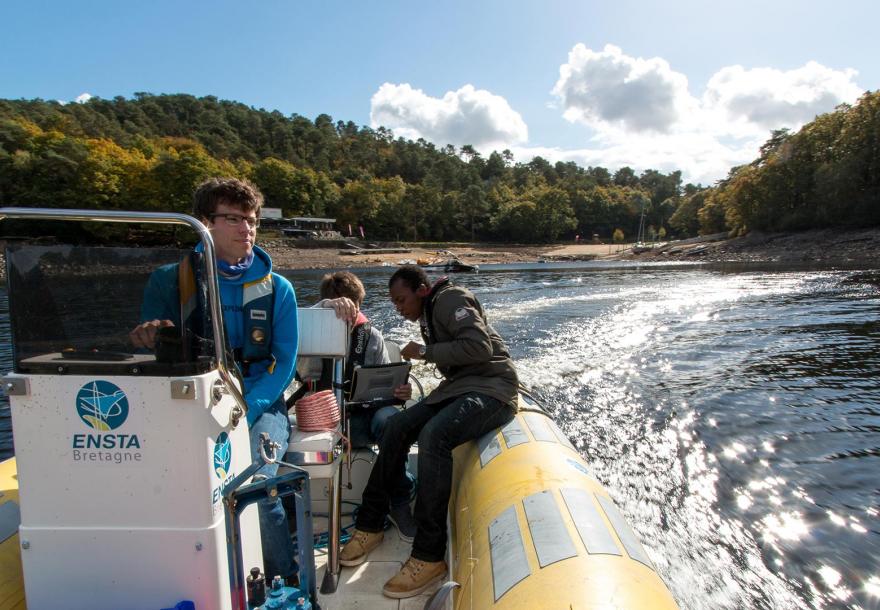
[11,582]
[533,529]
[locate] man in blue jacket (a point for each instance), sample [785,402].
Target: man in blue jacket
[259,315]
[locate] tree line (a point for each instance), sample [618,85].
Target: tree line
[149,152]
[827,174]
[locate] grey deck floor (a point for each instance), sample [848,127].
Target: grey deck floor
[361,586]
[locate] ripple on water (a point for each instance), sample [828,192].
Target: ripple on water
[733,417]
[717,410]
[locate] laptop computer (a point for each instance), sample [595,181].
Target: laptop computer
[375,384]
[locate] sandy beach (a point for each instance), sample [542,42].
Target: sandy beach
[823,246]
[286,255]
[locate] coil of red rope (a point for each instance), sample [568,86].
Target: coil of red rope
[317,412]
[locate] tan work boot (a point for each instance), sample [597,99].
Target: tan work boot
[414,577]
[355,551]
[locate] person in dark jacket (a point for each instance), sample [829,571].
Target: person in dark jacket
[477,395]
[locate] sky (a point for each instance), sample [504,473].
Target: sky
[695,86]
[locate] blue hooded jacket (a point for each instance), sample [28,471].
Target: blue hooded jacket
[262,388]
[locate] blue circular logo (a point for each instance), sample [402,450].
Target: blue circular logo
[222,455]
[102,405]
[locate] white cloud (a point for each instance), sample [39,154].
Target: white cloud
[466,116]
[636,112]
[640,112]
[617,91]
[701,158]
[763,99]
[82,98]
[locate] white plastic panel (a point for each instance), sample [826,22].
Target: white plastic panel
[489,447]
[538,424]
[114,470]
[509,562]
[155,469]
[514,434]
[624,531]
[321,333]
[590,526]
[133,569]
[549,534]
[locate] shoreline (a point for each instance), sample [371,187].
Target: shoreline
[826,247]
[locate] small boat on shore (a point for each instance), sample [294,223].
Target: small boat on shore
[131,487]
[447,262]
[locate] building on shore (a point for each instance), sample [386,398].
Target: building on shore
[304,227]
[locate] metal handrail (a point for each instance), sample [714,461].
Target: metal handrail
[210,268]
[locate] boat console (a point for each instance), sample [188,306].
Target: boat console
[124,455]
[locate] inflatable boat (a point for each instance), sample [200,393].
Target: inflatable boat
[131,487]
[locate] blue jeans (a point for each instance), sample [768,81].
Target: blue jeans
[438,428]
[367,427]
[279,557]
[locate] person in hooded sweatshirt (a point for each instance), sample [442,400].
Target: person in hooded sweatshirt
[260,319]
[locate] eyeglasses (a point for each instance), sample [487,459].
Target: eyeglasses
[234,220]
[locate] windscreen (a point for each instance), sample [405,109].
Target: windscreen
[73,309]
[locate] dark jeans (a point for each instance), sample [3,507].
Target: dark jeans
[367,428]
[438,428]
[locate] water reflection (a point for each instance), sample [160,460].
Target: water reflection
[715,407]
[733,415]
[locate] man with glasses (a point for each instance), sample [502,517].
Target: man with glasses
[259,314]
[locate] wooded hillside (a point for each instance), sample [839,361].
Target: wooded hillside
[149,152]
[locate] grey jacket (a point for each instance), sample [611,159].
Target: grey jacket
[377,353]
[467,351]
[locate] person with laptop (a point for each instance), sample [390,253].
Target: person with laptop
[477,395]
[344,292]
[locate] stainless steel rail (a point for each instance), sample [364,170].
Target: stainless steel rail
[230,387]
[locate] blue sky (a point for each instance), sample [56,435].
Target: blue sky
[687,85]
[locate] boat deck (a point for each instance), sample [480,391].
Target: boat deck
[361,586]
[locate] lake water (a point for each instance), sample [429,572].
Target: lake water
[732,413]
